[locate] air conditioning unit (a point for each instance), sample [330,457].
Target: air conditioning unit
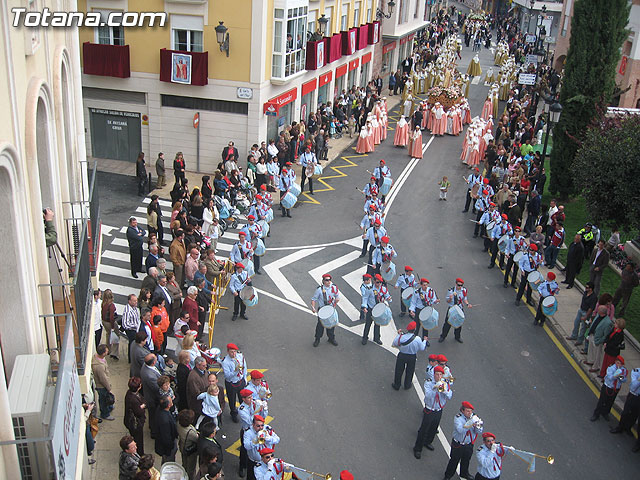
[31,394]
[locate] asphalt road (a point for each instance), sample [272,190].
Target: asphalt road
[333,407]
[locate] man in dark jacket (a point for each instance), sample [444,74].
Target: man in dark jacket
[166,431]
[149,375]
[141,174]
[598,261]
[628,281]
[135,237]
[229,151]
[534,210]
[575,257]
[161,171]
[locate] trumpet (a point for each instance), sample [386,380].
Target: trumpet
[239,366]
[440,386]
[263,391]
[326,476]
[450,379]
[261,439]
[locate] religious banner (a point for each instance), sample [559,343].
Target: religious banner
[181,68]
[186,68]
[374,33]
[350,41]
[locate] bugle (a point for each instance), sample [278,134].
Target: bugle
[326,476]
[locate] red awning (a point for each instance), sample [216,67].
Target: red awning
[341,70]
[325,78]
[366,58]
[280,101]
[309,86]
[353,64]
[388,47]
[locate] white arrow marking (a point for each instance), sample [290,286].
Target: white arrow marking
[273,270]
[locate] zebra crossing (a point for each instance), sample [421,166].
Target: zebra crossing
[115,268]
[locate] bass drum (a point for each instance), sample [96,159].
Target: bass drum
[406,296]
[503,242]
[249,296]
[295,189]
[381,314]
[269,215]
[456,316]
[317,171]
[259,250]
[549,305]
[388,271]
[429,318]
[288,200]
[265,228]
[328,316]
[535,278]
[518,256]
[386,185]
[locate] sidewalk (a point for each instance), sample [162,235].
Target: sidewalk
[336,147]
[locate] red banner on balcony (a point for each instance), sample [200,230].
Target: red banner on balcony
[353,64]
[388,47]
[310,86]
[316,55]
[106,60]
[324,79]
[341,70]
[363,33]
[335,48]
[350,41]
[366,58]
[187,68]
[276,103]
[374,33]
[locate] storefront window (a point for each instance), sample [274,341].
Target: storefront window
[364,74]
[323,93]
[352,77]
[386,62]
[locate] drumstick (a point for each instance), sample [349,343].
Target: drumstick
[474,221]
[361,191]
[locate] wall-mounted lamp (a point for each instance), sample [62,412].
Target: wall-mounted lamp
[322,24]
[390,6]
[223,37]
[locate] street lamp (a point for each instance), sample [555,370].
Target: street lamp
[222,37]
[322,24]
[390,6]
[553,115]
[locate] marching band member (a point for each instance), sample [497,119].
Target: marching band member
[384,252]
[325,294]
[423,297]
[517,243]
[466,428]
[372,238]
[455,296]
[547,288]
[528,264]
[253,231]
[409,345]
[266,468]
[374,200]
[234,367]
[239,280]
[284,185]
[366,305]
[489,457]
[242,250]
[367,222]
[370,187]
[481,205]
[256,438]
[380,173]
[616,375]
[260,392]
[501,229]
[406,280]
[432,362]
[379,294]
[473,179]
[247,409]
[307,159]
[631,405]
[266,196]
[436,394]
[442,361]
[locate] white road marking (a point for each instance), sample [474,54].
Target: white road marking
[273,270]
[106,229]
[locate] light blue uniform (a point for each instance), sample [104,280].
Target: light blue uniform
[406,281]
[241,252]
[416,345]
[634,386]
[423,298]
[371,234]
[369,188]
[239,281]
[481,204]
[500,229]
[368,220]
[433,399]
[368,298]
[381,172]
[382,254]
[285,182]
[529,262]
[615,382]
[377,202]
[229,368]
[308,158]
[246,413]
[463,435]
[548,288]
[489,462]
[250,442]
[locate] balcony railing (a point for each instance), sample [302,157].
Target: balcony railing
[106,60]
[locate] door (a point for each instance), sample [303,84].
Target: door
[115,135]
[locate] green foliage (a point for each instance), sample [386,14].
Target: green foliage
[606,168]
[597,32]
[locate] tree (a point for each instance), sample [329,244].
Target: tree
[597,33]
[606,168]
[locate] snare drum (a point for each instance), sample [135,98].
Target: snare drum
[406,296]
[249,296]
[317,171]
[549,305]
[456,316]
[386,185]
[248,267]
[328,316]
[428,318]
[265,228]
[269,215]
[490,226]
[259,250]
[503,242]
[534,278]
[517,257]
[388,271]
[288,200]
[381,314]
[295,189]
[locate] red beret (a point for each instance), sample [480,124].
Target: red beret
[244,393]
[476,169]
[263,187]
[407,268]
[373,178]
[517,229]
[423,280]
[346,475]
[232,346]
[411,326]
[467,405]
[251,217]
[239,265]
[255,374]
[433,356]
[486,181]
[242,233]
[366,275]
[377,222]
[488,434]
[266,451]
[258,197]
[382,161]
[379,277]
[491,204]
[284,170]
[551,276]
[327,275]
[258,417]
[533,247]
[438,369]
[459,280]
[620,359]
[288,164]
[504,215]
[384,239]
[442,358]
[373,207]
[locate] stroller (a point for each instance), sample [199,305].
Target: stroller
[228,213]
